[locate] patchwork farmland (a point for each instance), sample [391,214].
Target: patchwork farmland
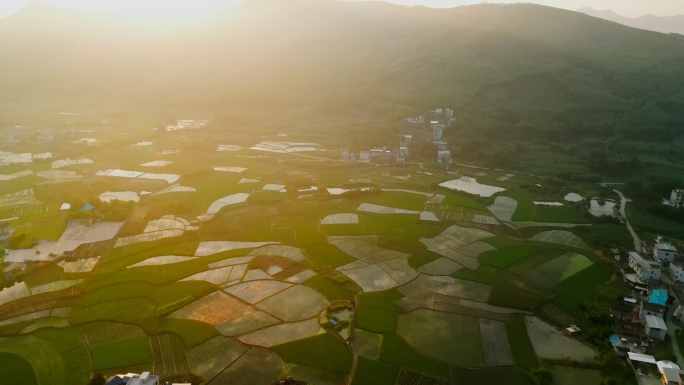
[274,264]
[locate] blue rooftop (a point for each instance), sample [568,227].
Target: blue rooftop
[658,297]
[87,207]
[615,340]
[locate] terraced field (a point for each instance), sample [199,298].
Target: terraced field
[257,263]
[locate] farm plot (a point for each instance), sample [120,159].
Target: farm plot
[440,266]
[294,254]
[122,353]
[209,358]
[48,322]
[101,332]
[428,216]
[147,237]
[167,222]
[215,308]
[561,237]
[76,234]
[340,219]
[256,291]
[256,366]
[563,375]
[246,324]
[16,175]
[548,342]
[301,277]
[229,169]
[371,278]
[159,261]
[367,344]
[558,269]
[280,334]
[85,265]
[495,348]
[24,197]
[503,208]
[378,209]
[214,247]
[43,356]
[234,261]
[215,276]
[465,235]
[25,317]
[218,204]
[452,338]
[175,188]
[476,248]
[294,304]
[447,248]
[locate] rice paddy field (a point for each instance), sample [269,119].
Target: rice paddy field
[252,263]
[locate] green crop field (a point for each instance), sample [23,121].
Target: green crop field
[323,351]
[16,370]
[375,372]
[329,254]
[505,256]
[422,257]
[118,354]
[375,320]
[503,375]
[192,332]
[573,291]
[520,344]
[380,301]
[396,351]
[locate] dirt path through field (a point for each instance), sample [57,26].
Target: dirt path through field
[623,213]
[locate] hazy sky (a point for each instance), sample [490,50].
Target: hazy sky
[630,8]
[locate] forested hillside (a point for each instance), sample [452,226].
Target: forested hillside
[601,92]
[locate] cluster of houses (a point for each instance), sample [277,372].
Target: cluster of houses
[14,134]
[400,154]
[676,198]
[657,278]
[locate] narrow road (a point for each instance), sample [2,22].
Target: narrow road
[623,213]
[350,343]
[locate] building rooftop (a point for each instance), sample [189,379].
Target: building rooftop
[655,322]
[665,247]
[641,261]
[641,357]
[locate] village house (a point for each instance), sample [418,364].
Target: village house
[449,113]
[676,272]
[444,156]
[677,198]
[670,371]
[6,139]
[441,145]
[21,133]
[645,269]
[655,327]
[134,379]
[45,136]
[648,308]
[66,133]
[437,133]
[408,139]
[663,251]
[344,153]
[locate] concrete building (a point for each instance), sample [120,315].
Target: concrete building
[344,153]
[441,145]
[678,314]
[437,133]
[664,251]
[670,371]
[655,327]
[444,156]
[647,308]
[676,272]
[6,139]
[449,113]
[408,139]
[677,198]
[66,133]
[403,150]
[645,269]
[134,379]
[45,136]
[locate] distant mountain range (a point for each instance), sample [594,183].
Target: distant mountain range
[665,24]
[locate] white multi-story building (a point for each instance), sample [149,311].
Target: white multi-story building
[655,327]
[344,153]
[664,251]
[437,133]
[676,272]
[449,113]
[646,270]
[441,145]
[408,139]
[444,156]
[677,198]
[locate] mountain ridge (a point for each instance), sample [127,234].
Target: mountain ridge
[662,24]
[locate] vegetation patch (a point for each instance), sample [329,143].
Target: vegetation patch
[397,352]
[374,372]
[521,347]
[323,351]
[126,352]
[375,320]
[574,290]
[329,254]
[422,257]
[500,375]
[16,370]
[505,256]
